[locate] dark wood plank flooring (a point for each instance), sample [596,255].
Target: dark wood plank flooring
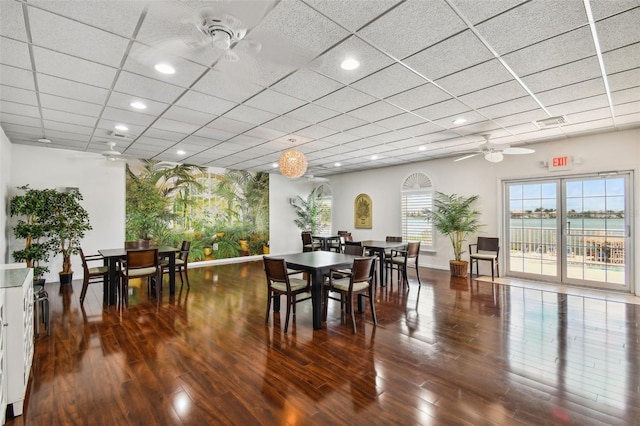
[448,352]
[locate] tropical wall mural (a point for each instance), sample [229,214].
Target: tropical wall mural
[224,213]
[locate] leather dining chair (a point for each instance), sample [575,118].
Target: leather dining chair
[280,282]
[182,259]
[487,249]
[358,282]
[92,274]
[404,259]
[308,243]
[143,264]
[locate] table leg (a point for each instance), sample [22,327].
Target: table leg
[316,298]
[172,273]
[381,273]
[110,287]
[276,303]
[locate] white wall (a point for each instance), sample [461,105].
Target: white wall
[101,183]
[5,175]
[598,153]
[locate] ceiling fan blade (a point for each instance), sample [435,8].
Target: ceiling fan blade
[467,156]
[518,151]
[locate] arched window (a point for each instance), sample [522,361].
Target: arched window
[325,209]
[417,200]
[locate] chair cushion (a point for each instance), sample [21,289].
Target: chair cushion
[99,270]
[343,285]
[179,262]
[296,284]
[140,272]
[484,256]
[400,260]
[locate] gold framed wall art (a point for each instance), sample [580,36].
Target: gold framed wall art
[363,212]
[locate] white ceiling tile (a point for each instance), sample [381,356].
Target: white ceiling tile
[521,27]
[619,30]
[274,101]
[147,88]
[588,126]
[198,141]
[375,111]
[495,94]
[12,20]
[223,86]
[188,115]
[442,109]
[521,118]
[250,115]
[563,75]
[71,89]
[316,131]
[66,117]
[371,60]
[15,53]
[514,106]
[123,101]
[477,12]
[175,126]
[20,78]
[437,61]
[229,125]
[343,122]
[19,108]
[11,118]
[418,97]
[245,140]
[165,135]
[475,78]
[622,59]
[75,38]
[23,130]
[127,117]
[312,113]
[13,94]
[368,130]
[70,105]
[389,81]
[345,100]
[204,103]
[624,80]
[421,129]
[351,14]
[306,84]
[579,105]
[552,52]
[71,68]
[66,127]
[400,121]
[631,95]
[106,127]
[340,138]
[412,18]
[214,134]
[572,92]
[264,133]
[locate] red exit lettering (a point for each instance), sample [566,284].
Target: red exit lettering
[560,161]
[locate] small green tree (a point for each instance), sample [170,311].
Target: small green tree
[454,216]
[308,211]
[68,222]
[34,207]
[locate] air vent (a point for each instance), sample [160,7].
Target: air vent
[551,122]
[117,134]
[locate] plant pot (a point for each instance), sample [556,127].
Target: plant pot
[66,278]
[144,243]
[459,268]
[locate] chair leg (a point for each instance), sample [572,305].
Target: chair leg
[83,293]
[418,275]
[373,308]
[353,314]
[186,275]
[269,296]
[286,321]
[492,276]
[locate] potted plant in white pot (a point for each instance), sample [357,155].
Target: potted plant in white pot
[68,223]
[454,216]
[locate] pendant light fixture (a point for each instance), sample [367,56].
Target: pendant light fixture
[292,163]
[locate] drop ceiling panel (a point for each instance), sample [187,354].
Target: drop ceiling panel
[618,31]
[13,94]
[147,88]
[188,115]
[264,133]
[475,78]
[572,107]
[175,126]
[67,127]
[343,122]
[627,96]
[10,118]
[574,72]
[376,111]
[371,60]
[495,94]
[511,107]
[311,113]
[250,115]
[278,103]
[71,89]
[286,124]
[19,108]
[368,130]
[345,99]
[348,14]
[12,21]
[230,125]
[14,53]
[316,131]
[480,11]
[412,18]
[624,80]
[306,84]
[400,121]
[418,97]
[20,78]
[572,92]
[66,117]
[622,59]
[197,101]
[389,81]
[521,27]
[442,109]
[69,105]
[167,135]
[215,83]
[70,68]
[127,117]
[123,102]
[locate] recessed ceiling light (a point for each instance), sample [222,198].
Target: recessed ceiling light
[165,68]
[349,64]
[44,140]
[337,164]
[274,165]
[138,105]
[122,127]
[374,157]
[460,120]
[180,152]
[422,148]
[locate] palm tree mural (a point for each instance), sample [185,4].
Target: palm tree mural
[172,202]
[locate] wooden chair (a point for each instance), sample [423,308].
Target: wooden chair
[308,243]
[182,260]
[487,249]
[390,238]
[402,260]
[93,274]
[140,264]
[280,283]
[358,282]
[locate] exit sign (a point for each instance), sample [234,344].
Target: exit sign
[560,163]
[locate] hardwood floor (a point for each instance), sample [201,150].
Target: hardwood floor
[444,353]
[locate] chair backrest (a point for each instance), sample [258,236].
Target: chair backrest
[413,249]
[184,250]
[354,249]
[276,270]
[85,265]
[352,243]
[491,244]
[306,238]
[362,270]
[391,239]
[137,259]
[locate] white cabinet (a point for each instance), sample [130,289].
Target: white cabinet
[17,288]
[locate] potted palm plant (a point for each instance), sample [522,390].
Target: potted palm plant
[308,211]
[34,208]
[454,216]
[68,222]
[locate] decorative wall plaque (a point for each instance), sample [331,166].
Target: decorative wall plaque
[363,212]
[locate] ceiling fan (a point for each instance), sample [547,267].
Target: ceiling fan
[494,153]
[225,29]
[111,154]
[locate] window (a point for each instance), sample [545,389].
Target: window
[417,200]
[324,226]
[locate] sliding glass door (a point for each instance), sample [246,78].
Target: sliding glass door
[571,230]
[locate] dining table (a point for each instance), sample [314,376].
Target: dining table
[325,240]
[111,259]
[316,264]
[379,247]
